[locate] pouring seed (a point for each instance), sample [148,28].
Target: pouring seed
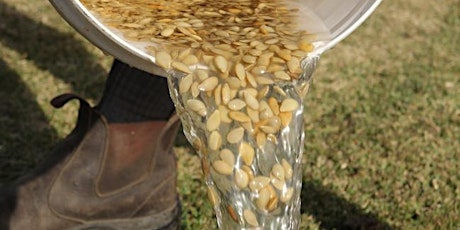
[241,178]
[227,156]
[235,135]
[208,84]
[197,106]
[246,153]
[232,213]
[234,65]
[213,121]
[287,169]
[212,196]
[236,104]
[286,195]
[289,105]
[181,67]
[163,59]
[259,182]
[263,199]
[215,140]
[222,168]
[185,84]
[278,172]
[250,217]
[221,63]
[239,116]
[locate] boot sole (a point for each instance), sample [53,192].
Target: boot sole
[167,220]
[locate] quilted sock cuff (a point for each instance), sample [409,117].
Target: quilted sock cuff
[132,95]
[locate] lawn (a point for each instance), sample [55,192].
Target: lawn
[382,127]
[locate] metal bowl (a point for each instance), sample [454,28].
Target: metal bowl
[333,21]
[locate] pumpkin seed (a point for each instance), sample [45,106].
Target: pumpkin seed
[246,153]
[197,106]
[185,84]
[222,168]
[287,169]
[212,196]
[263,199]
[286,118]
[250,218]
[241,178]
[208,84]
[286,195]
[236,104]
[232,213]
[163,59]
[221,63]
[278,171]
[251,101]
[258,183]
[235,135]
[239,116]
[289,105]
[213,121]
[215,140]
[181,67]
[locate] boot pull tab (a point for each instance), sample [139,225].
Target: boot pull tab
[86,115]
[62,99]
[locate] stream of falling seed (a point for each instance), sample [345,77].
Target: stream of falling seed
[237,77]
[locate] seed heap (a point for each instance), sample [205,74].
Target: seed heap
[229,61]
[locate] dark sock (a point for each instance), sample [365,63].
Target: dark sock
[132,95]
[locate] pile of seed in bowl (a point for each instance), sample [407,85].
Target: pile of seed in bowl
[229,61]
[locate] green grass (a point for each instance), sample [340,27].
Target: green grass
[382,120]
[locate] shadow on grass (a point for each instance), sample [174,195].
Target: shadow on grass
[25,132]
[334,212]
[63,54]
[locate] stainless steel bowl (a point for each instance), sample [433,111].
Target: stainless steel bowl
[334,20]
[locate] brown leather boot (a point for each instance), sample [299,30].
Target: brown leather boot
[102,176]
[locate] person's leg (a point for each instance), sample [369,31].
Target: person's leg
[132,95]
[116,170]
